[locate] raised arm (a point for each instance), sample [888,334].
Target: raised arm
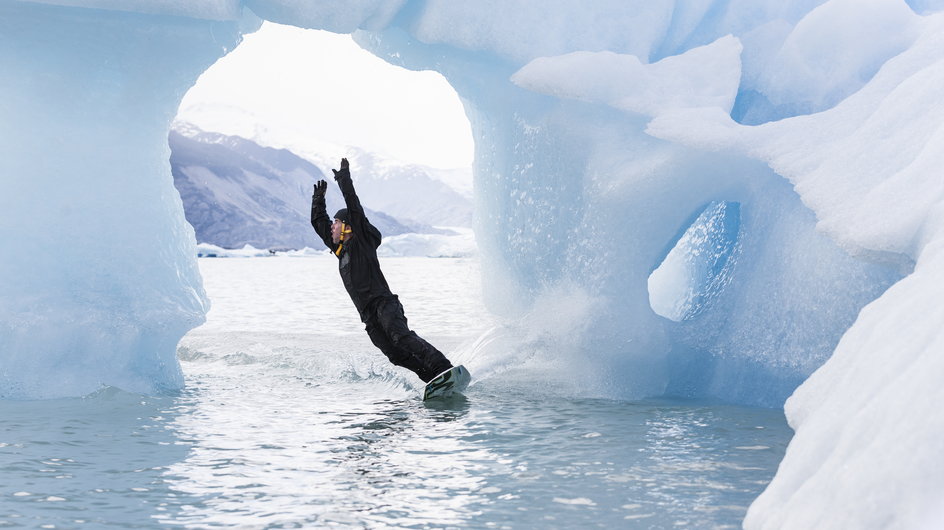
[319,214]
[359,223]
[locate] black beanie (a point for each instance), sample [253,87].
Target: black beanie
[342,215]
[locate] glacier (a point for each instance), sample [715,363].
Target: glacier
[603,136]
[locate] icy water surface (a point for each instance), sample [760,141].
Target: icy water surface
[291,419]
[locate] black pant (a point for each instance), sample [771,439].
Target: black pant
[388,330]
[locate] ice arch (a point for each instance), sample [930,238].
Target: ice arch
[100,277]
[597,134]
[87,112]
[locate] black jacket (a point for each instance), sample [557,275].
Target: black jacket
[357,262]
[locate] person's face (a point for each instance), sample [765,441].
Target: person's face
[336,231]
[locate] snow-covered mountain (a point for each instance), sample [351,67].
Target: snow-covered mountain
[237,192]
[409,192]
[389,184]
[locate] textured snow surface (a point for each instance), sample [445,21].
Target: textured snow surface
[868,444]
[707,76]
[866,166]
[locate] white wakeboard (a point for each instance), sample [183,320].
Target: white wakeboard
[453,380]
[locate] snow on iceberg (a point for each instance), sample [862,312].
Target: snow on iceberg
[864,165]
[833,51]
[460,244]
[207,250]
[707,76]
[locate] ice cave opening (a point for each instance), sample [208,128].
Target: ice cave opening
[272,117]
[699,265]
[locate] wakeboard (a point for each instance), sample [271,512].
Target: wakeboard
[453,380]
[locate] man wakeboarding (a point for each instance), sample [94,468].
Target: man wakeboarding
[354,241]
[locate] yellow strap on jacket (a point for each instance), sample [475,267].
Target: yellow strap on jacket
[344,230]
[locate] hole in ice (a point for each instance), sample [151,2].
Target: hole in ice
[699,266]
[314,90]
[274,116]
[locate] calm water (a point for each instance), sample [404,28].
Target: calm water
[291,419]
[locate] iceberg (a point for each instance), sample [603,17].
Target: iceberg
[99,280]
[605,138]
[459,244]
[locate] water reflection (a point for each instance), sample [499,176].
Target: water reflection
[268,452]
[457,404]
[99,459]
[408,463]
[300,429]
[323,455]
[692,453]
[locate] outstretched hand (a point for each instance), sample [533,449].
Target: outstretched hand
[344,165]
[320,189]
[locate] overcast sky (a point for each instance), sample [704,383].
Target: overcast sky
[286,83]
